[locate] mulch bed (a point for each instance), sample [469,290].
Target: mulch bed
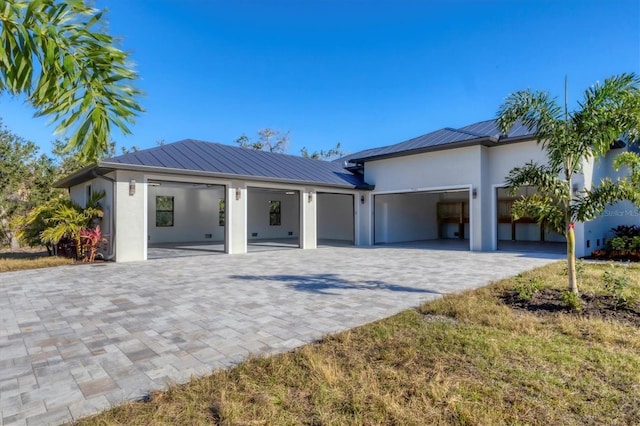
[549,302]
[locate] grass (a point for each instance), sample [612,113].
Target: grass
[18,264]
[463,359]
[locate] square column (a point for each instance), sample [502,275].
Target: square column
[236,225]
[130,216]
[308,219]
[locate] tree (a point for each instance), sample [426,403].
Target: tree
[70,70]
[69,160]
[609,110]
[322,154]
[268,140]
[276,141]
[25,181]
[61,218]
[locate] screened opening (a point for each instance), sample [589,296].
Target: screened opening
[440,218]
[335,219]
[185,219]
[273,219]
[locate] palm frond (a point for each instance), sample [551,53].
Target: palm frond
[608,111]
[84,83]
[544,178]
[536,110]
[590,203]
[543,209]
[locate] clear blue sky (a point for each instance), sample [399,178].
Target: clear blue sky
[363,73]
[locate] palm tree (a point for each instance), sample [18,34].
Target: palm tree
[609,110]
[63,218]
[56,53]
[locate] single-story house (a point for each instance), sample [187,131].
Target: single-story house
[444,185]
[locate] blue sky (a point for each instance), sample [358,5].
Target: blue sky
[363,73]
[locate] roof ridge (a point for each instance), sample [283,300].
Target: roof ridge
[466,132]
[482,121]
[285,154]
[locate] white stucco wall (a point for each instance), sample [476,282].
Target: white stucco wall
[449,168]
[195,215]
[130,217]
[503,158]
[77,193]
[258,215]
[335,216]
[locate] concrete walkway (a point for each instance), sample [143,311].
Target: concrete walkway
[75,340]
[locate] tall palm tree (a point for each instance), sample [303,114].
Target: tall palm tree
[608,111]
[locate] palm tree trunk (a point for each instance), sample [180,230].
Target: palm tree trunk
[571,258]
[78,248]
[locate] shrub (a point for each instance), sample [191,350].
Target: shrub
[629,231]
[527,289]
[618,243]
[626,240]
[572,300]
[618,287]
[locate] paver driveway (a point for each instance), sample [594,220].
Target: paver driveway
[75,340]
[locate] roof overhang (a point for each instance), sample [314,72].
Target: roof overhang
[79,176]
[102,168]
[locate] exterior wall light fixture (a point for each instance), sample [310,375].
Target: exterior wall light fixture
[310,198]
[132,187]
[474,193]
[238,193]
[362,199]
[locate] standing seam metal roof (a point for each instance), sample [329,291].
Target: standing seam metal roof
[212,157]
[439,138]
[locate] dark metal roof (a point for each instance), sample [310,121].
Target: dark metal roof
[484,132]
[206,158]
[193,157]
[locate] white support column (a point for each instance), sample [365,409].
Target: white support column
[356,219]
[480,204]
[236,229]
[308,220]
[365,221]
[131,216]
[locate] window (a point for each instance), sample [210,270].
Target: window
[275,219]
[221,213]
[164,210]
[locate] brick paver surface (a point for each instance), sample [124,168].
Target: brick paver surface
[75,340]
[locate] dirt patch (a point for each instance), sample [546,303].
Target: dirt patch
[549,302]
[439,318]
